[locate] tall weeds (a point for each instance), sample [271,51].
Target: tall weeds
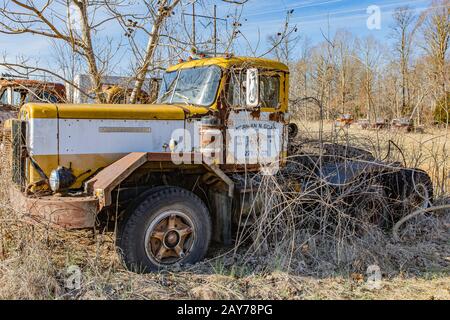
[303,230]
[311,228]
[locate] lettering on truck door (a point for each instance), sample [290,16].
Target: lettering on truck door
[253,137]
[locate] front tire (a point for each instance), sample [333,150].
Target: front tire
[171,225]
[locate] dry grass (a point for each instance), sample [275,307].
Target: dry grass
[36,270]
[301,264]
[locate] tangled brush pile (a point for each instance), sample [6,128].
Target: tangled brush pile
[330,211]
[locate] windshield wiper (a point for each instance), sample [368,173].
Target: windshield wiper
[186,99]
[165,94]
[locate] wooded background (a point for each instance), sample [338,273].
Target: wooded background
[405,76]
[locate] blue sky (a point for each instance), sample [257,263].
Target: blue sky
[316,16]
[260,18]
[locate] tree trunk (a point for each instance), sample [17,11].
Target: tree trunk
[88,49]
[163,13]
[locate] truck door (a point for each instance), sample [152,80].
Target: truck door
[255,136]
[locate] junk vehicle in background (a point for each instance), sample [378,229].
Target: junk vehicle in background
[344,120]
[116,89]
[403,124]
[173,174]
[14,93]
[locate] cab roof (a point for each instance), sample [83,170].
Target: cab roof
[27,84]
[232,62]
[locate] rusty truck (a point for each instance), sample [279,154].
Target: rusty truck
[169,174]
[15,92]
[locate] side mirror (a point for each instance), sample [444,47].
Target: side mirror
[252,85]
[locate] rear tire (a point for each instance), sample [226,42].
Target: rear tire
[169,226]
[372,207]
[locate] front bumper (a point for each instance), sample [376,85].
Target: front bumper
[65,212]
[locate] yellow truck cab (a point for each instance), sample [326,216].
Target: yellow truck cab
[171,169]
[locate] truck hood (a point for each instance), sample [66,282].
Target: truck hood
[112,111]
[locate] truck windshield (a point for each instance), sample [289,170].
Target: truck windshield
[197,86]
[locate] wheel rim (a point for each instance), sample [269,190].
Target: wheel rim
[420,198]
[169,238]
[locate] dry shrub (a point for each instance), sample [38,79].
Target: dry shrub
[26,270]
[29,273]
[316,231]
[271,259]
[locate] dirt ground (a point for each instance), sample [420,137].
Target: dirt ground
[37,263]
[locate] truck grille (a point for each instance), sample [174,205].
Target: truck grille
[19,152]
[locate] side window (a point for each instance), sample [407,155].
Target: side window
[16,98]
[43,96]
[51,98]
[269,90]
[269,93]
[4,97]
[31,97]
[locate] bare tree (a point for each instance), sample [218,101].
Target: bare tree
[403,32]
[68,64]
[49,20]
[300,77]
[436,32]
[348,74]
[345,66]
[370,56]
[163,11]
[322,75]
[284,43]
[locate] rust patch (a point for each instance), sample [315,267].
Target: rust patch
[102,184]
[64,212]
[167,156]
[255,114]
[159,156]
[276,116]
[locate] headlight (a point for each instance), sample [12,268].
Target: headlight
[61,178]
